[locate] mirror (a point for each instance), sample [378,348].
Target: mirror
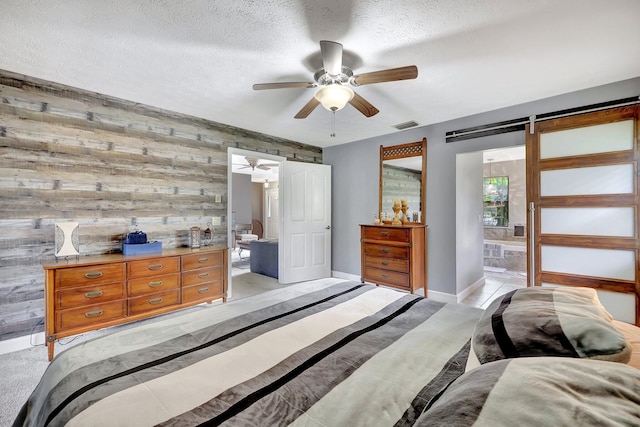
[403,176]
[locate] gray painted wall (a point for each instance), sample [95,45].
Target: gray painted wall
[241,200]
[355,178]
[469,226]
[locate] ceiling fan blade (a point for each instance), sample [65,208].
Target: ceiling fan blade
[283,85]
[364,106]
[307,109]
[263,167]
[331,57]
[390,75]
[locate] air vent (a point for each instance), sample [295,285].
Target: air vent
[406,125]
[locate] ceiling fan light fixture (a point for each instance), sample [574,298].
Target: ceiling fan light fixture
[333,97]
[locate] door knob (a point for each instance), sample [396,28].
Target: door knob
[328,227]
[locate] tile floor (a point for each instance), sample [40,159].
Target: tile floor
[496,284]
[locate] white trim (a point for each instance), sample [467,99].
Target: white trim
[346,276]
[434,295]
[21,343]
[471,289]
[442,297]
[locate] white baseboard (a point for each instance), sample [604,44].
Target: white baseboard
[471,289]
[435,295]
[21,343]
[346,276]
[442,297]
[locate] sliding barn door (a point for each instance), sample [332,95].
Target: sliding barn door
[583,206]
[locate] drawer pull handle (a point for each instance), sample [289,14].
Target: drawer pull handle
[93,275]
[201,260]
[93,294]
[385,263]
[155,266]
[96,313]
[201,275]
[155,284]
[385,275]
[384,250]
[384,233]
[155,301]
[203,290]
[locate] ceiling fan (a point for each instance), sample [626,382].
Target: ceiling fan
[331,81]
[254,162]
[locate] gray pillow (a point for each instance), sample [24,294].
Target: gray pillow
[539,391]
[545,321]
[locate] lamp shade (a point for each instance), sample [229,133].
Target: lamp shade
[334,97]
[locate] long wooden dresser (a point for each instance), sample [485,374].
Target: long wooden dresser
[394,255]
[88,293]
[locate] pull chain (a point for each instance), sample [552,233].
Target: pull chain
[333,124]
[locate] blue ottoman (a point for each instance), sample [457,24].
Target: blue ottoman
[264,257]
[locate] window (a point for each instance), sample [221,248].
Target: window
[496,201]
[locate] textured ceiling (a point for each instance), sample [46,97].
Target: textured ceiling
[201,57]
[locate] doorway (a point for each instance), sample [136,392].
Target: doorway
[504,213]
[491,252]
[253,171]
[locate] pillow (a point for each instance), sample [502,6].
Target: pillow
[539,391]
[632,335]
[567,322]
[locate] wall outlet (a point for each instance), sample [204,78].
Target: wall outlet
[218,198]
[216,220]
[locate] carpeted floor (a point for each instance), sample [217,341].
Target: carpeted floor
[21,370]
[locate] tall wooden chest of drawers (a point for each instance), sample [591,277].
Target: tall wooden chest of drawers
[88,293]
[394,255]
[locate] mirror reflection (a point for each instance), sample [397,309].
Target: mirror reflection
[402,180]
[402,177]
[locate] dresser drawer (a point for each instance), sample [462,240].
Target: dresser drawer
[386,233]
[91,314]
[203,275]
[387,251]
[195,261]
[146,285]
[153,266]
[377,275]
[204,292]
[401,265]
[89,295]
[153,302]
[91,275]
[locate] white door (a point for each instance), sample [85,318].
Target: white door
[271,218]
[305,249]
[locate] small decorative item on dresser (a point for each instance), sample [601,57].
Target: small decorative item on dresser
[404,208]
[194,237]
[206,241]
[67,239]
[396,209]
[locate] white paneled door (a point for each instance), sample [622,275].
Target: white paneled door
[306,222]
[583,206]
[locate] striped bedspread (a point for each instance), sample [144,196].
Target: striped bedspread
[328,353]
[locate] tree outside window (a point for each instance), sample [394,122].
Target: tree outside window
[496,201]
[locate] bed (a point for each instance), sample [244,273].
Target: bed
[322,353]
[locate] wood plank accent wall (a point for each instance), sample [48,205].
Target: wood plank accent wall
[69,154]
